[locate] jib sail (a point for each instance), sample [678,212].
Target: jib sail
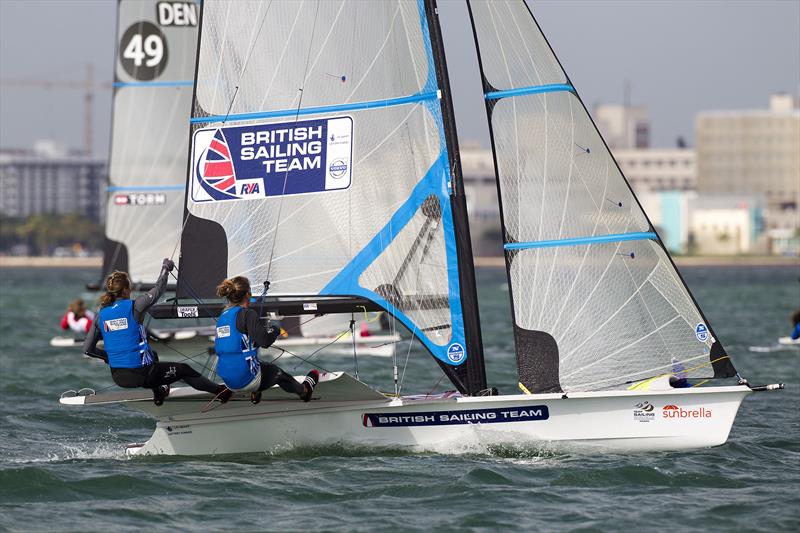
[597,302]
[154,69]
[320,163]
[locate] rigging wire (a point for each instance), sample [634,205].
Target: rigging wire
[296,118]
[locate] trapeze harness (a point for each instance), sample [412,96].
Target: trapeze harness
[125,339]
[238,363]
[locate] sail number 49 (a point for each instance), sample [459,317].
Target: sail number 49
[148,50]
[143,51]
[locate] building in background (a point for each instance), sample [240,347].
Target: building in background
[670,213]
[727,224]
[50,179]
[658,169]
[623,126]
[754,152]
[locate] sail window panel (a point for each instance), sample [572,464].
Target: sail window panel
[411,274]
[615,317]
[337,51]
[514,53]
[319,233]
[557,179]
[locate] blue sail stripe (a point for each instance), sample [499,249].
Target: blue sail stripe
[617,237]
[535,89]
[177,83]
[145,188]
[355,106]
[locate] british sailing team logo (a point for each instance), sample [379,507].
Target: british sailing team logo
[214,170]
[271,159]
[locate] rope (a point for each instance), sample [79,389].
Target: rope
[315,352]
[296,118]
[686,370]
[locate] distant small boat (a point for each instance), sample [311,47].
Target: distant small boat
[788,341]
[66,342]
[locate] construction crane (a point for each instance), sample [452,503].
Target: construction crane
[89,87]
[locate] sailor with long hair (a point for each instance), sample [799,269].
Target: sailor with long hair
[133,363]
[238,336]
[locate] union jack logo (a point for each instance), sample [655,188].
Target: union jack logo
[218,171]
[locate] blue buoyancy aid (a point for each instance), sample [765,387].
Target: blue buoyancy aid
[124,338]
[237,355]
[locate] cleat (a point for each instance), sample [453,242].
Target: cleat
[310,381]
[160,393]
[255,397]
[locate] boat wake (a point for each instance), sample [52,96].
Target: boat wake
[78,451]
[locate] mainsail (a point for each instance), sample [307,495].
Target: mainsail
[323,161]
[154,67]
[597,302]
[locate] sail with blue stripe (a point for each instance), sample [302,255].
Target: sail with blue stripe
[597,302]
[153,79]
[342,179]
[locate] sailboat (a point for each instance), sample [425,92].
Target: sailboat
[324,162]
[152,94]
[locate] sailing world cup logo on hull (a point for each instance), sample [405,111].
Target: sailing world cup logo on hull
[260,161]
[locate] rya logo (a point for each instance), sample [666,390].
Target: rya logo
[249,188]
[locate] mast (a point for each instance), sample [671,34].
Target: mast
[473,373]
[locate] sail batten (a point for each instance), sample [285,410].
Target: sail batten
[618,237]
[340,108]
[177,83]
[533,89]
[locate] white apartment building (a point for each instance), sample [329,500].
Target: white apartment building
[659,169]
[753,152]
[49,179]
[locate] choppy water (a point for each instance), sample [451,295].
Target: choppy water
[65,469]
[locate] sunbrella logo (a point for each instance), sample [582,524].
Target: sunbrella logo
[673,411]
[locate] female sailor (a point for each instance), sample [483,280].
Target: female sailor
[796,321]
[237,339]
[133,363]
[77,318]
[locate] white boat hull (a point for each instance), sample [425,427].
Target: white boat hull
[619,420]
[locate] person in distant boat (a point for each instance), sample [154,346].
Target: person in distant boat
[796,320]
[238,336]
[133,363]
[77,318]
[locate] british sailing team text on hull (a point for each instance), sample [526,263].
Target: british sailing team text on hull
[390,233]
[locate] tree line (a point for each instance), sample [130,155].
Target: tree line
[44,232]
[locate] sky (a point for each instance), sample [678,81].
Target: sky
[680,57]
